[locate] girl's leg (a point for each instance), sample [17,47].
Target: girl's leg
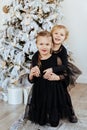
[72,116]
[54,118]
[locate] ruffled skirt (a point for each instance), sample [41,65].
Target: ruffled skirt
[48,102]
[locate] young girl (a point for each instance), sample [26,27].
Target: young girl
[49,101]
[59,35]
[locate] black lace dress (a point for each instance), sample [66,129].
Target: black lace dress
[49,101]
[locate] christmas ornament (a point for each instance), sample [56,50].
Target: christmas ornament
[6,9]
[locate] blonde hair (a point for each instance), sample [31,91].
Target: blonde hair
[44,34]
[60,27]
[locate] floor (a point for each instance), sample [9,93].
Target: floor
[10,115]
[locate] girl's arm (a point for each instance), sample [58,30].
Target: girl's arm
[61,68]
[34,69]
[50,75]
[64,61]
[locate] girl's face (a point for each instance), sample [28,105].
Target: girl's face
[44,45]
[58,36]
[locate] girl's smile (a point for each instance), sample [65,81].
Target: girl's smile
[44,45]
[59,36]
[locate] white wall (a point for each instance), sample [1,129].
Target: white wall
[75,18]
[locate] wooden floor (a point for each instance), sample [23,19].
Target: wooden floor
[10,113]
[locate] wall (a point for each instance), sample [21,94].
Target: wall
[75,18]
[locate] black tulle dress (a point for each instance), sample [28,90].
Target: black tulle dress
[73,72]
[49,100]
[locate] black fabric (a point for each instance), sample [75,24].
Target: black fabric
[73,72]
[62,54]
[50,100]
[60,69]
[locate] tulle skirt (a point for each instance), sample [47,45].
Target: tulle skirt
[73,73]
[48,102]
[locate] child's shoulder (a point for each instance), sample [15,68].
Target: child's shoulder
[63,50]
[35,54]
[35,58]
[63,47]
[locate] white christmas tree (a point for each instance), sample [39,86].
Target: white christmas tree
[17,40]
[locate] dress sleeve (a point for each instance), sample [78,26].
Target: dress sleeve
[64,59]
[62,70]
[35,59]
[33,63]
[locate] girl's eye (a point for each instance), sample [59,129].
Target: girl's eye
[41,43]
[62,34]
[47,44]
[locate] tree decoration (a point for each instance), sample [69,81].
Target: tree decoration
[6,9]
[18,38]
[50,1]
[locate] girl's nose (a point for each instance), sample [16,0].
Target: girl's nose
[44,46]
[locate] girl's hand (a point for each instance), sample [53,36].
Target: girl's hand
[54,77]
[35,71]
[47,73]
